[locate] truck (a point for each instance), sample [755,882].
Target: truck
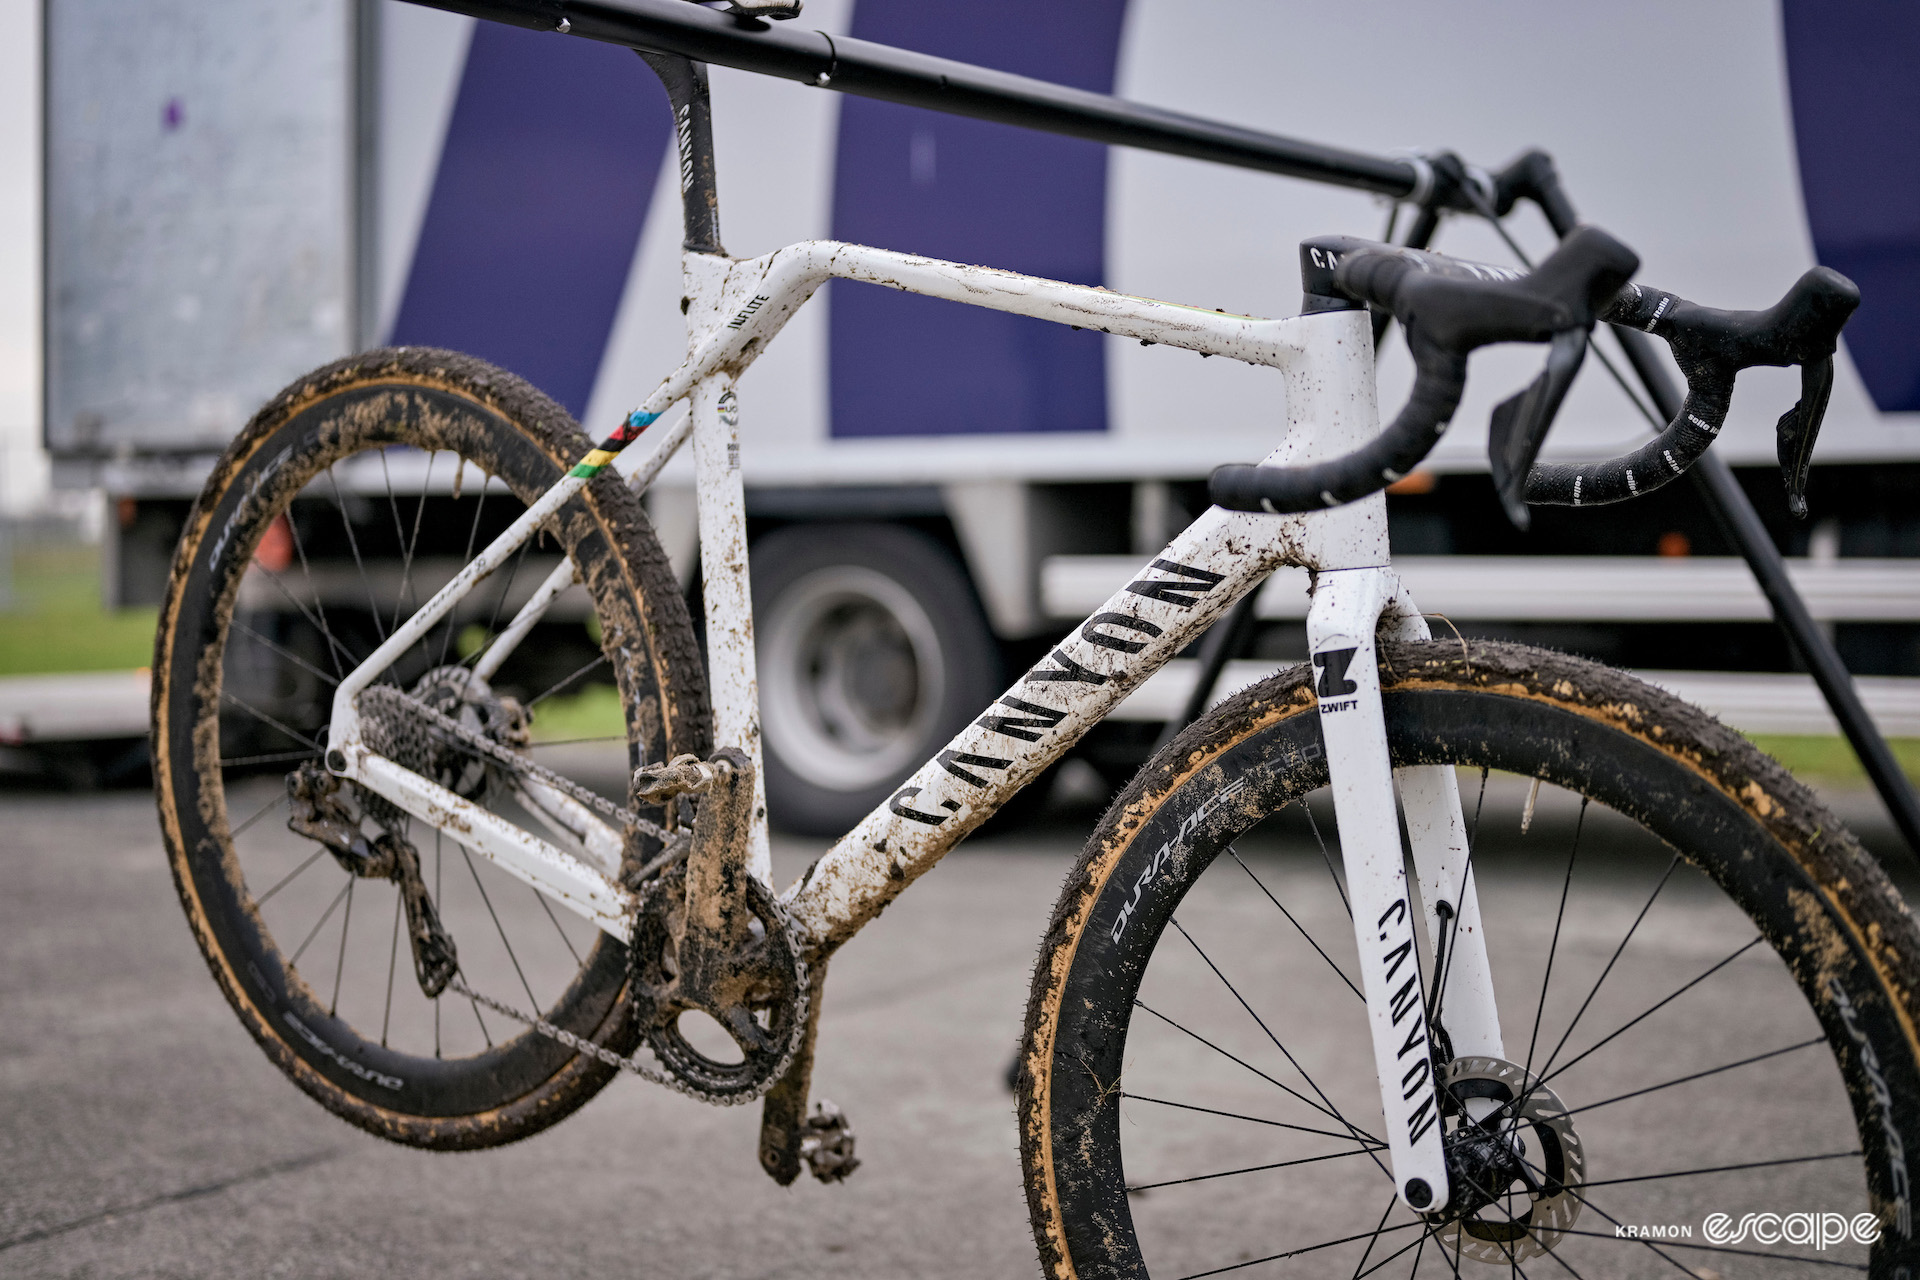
[240,190]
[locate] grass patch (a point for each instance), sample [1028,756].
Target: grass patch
[590,712]
[56,622]
[1828,759]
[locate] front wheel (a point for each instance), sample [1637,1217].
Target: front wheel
[1706,993]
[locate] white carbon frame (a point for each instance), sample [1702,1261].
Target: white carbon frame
[735,309]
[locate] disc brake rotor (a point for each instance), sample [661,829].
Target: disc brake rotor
[1514,1160]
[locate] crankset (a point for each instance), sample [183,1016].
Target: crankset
[710,938]
[1513,1159]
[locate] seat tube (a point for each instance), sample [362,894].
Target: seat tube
[727,592]
[1347,605]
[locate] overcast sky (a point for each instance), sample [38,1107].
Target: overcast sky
[19,248]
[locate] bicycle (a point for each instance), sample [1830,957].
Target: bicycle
[662,931]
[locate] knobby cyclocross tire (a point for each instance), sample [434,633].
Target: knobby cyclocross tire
[397,402]
[1763,848]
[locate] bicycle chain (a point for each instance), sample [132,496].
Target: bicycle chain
[634,1066]
[397,703]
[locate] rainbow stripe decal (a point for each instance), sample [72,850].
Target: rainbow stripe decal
[622,436]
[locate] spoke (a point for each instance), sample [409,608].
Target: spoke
[1623,1027]
[475,871]
[266,719]
[1553,948]
[261,812]
[545,906]
[500,601]
[1420,1246]
[1716,1248]
[1329,1109]
[1453,920]
[335,649]
[473,531]
[1359,1136]
[272,757]
[484,1035]
[1234,1115]
[1229,1173]
[574,742]
[1725,1168]
[1360,1266]
[285,652]
[553,689]
[1235,854]
[393,960]
[1611,961]
[442,903]
[261,901]
[353,545]
[1698,1075]
[340,965]
[1575,1193]
[1327,857]
[1295,1253]
[404,596]
[319,605]
[324,917]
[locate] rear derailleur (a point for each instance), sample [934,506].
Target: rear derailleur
[319,810]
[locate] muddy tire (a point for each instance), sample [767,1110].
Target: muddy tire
[1727,980]
[326,521]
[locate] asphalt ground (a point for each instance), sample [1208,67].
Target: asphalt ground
[142,1133]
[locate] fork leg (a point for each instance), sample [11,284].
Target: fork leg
[1346,608]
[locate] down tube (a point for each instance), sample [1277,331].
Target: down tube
[1165,605]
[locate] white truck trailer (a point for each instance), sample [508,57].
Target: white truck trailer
[238,190]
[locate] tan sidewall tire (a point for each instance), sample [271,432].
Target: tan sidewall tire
[434,400]
[1834,915]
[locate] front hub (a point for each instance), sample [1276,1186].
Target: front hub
[1514,1161]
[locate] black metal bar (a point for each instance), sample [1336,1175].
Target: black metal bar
[895,75]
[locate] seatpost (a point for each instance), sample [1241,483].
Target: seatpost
[686,85]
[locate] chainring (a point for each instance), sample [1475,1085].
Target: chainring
[766,1026]
[1515,1162]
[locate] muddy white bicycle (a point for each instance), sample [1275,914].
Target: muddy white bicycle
[1514,1068]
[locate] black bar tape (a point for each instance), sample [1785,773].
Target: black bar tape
[1667,456]
[1711,347]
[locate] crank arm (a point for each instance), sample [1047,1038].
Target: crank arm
[1346,608]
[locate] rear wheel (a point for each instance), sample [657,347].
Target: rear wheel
[871,653]
[340,509]
[1707,996]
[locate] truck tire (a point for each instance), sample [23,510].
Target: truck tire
[872,652]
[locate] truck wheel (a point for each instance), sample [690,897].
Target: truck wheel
[872,652]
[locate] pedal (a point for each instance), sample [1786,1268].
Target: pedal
[826,1144]
[685,775]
